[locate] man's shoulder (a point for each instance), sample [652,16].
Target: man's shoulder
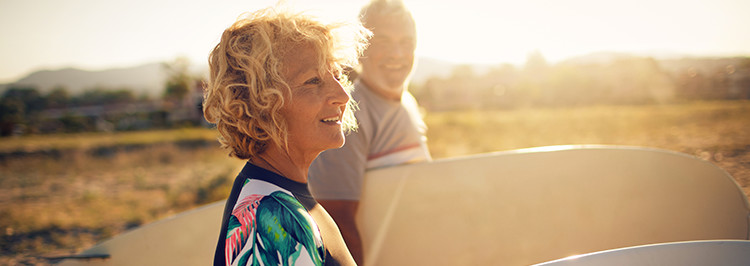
[360,91]
[369,101]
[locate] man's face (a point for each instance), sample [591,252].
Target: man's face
[388,61]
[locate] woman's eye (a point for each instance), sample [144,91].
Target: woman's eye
[313,81]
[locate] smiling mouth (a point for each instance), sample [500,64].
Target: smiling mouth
[332,120]
[393,66]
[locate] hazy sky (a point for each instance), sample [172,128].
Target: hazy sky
[96,34]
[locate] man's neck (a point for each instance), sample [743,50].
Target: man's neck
[389,95]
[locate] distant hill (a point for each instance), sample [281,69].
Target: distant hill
[597,58]
[149,78]
[429,67]
[600,58]
[145,79]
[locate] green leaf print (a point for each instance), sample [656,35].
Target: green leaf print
[283,224]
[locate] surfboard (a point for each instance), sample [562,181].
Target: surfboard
[529,206]
[187,238]
[691,253]
[509,208]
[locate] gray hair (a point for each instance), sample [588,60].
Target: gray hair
[384,8]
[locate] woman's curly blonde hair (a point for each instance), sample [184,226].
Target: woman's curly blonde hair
[246,90]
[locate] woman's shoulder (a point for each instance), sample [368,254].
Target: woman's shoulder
[259,187]
[268,214]
[258,196]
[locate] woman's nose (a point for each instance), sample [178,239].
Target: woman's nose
[339,95]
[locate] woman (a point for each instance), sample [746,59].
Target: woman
[278,99]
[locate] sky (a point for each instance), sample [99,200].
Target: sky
[100,34]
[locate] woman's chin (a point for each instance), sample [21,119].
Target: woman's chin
[333,144]
[339,143]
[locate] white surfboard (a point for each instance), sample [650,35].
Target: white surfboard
[535,205]
[692,253]
[187,238]
[507,208]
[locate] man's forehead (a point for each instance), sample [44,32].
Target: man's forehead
[393,20]
[389,27]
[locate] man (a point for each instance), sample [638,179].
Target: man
[391,130]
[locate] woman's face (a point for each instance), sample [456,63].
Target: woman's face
[317,104]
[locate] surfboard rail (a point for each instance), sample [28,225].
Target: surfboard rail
[687,253]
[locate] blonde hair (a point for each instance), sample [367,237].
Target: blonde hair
[246,90]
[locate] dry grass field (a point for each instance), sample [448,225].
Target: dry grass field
[61,194]
[718,132]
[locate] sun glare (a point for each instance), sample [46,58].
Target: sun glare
[468,31]
[497,32]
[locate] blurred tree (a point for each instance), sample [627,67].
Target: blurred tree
[637,80]
[71,123]
[19,107]
[463,72]
[120,96]
[103,96]
[621,79]
[568,85]
[58,98]
[11,114]
[536,63]
[178,79]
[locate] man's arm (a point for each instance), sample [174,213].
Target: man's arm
[343,212]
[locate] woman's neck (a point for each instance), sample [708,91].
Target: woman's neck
[283,163]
